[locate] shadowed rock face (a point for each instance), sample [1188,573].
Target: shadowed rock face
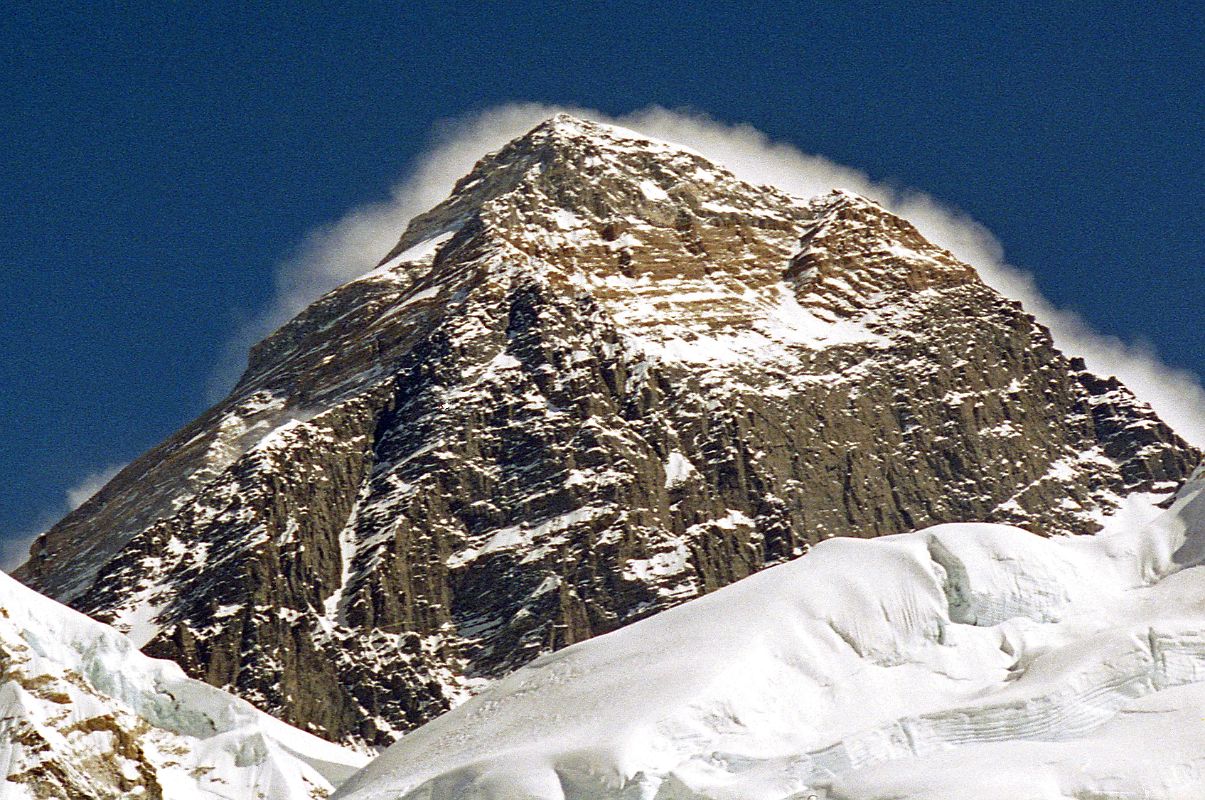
[602,378]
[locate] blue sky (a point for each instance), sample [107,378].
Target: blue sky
[161,163]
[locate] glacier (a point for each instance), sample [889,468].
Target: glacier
[84,714]
[963,660]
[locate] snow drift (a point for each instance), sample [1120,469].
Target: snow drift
[965,660]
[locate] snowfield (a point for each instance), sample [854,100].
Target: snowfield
[84,714]
[963,661]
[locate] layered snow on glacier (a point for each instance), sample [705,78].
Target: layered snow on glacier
[81,709]
[965,660]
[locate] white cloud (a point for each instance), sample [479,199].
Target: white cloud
[89,485]
[14,549]
[354,244]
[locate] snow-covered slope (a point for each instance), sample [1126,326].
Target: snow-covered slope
[962,661]
[83,714]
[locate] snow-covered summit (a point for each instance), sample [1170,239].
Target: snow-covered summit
[84,714]
[962,661]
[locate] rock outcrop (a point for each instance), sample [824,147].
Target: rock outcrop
[602,378]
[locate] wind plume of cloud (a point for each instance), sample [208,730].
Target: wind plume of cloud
[89,485]
[355,243]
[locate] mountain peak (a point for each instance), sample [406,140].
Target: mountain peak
[564,136]
[568,124]
[604,376]
[840,198]
[594,171]
[565,119]
[563,128]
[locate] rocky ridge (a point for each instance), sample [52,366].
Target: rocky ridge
[602,378]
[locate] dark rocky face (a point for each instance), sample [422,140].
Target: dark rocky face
[603,378]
